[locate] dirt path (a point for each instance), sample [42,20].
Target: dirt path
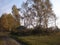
[8,41]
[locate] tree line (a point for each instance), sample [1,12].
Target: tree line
[33,13]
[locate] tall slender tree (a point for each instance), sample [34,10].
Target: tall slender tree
[15,12]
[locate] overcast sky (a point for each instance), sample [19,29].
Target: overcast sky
[56,8]
[6,5]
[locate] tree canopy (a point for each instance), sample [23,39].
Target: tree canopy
[33,13]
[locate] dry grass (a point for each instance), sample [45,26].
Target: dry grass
[42,40]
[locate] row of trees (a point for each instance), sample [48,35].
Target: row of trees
[33,13]
[38,13]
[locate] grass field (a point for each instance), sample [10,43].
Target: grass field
[41,40]
[53,39]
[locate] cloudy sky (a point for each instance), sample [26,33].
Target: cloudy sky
[6,5]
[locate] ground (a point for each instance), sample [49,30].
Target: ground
[53,39]
[8,41]
[41,40]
